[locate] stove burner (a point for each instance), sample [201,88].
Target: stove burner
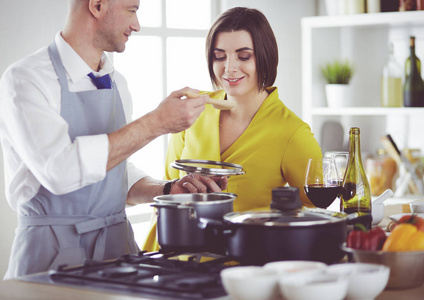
[116,272]
[164,275]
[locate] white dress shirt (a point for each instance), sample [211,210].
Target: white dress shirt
[36,146]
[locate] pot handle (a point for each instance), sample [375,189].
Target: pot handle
[216,226]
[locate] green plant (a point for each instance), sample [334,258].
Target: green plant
[337,72]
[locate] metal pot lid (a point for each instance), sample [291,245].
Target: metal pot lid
[207,167]
[296,218]
[196,198]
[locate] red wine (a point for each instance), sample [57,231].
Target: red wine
[321,195]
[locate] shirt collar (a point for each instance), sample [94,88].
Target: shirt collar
[75,66]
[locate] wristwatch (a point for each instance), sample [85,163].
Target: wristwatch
[167,187]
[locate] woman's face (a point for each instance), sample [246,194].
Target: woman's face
[234,63]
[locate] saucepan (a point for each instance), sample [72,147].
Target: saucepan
[286,232]
[178,217]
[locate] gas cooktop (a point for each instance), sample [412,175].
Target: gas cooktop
[156,275]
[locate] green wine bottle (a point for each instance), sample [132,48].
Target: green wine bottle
[408,60]
[356,193]
[413,89]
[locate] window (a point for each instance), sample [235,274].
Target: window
[167,54]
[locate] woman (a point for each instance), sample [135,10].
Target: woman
[271,143]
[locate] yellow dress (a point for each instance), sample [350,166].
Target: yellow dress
[273,150]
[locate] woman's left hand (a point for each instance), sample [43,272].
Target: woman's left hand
[196,183]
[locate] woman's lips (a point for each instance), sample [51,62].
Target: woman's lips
[233,81]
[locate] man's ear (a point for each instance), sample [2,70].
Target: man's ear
[97,7]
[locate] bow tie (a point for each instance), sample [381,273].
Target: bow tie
[103,82]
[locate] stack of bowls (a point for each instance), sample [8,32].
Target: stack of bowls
[305,280]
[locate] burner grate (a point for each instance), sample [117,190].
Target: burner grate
[168,275]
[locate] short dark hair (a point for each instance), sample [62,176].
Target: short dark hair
[264,42]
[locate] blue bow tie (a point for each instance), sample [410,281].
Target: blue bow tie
[103,82]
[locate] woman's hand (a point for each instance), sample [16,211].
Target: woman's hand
[195,183]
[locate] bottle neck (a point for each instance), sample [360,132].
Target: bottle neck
[413,59]
[355,147]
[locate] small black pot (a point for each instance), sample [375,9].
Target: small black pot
[259,237]
[178,218]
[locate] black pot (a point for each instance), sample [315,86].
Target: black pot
[178,218]
[259,237]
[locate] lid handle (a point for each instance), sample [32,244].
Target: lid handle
[285,198]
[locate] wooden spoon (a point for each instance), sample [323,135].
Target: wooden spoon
[218,104]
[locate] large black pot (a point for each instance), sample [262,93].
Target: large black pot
[178,218]
[287,233]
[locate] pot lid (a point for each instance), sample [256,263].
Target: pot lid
[195,198]
[207,167]
[296,218]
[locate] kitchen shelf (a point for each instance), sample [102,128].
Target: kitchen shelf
[363,39]
[367,111]
[392,19]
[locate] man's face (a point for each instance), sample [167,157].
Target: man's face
[119,21]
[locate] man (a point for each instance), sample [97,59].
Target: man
[65,143]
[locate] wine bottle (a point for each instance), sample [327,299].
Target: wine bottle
[413,89]
[355,194]
[391,82]
[408,60]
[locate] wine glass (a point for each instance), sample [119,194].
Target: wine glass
[340,161]
[321,184]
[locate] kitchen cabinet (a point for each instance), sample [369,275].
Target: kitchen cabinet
[363,39]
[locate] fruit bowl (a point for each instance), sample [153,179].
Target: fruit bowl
[406,268]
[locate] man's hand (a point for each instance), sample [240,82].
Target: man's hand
[178,112]
[196,183]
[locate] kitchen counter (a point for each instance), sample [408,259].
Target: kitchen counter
[15,289]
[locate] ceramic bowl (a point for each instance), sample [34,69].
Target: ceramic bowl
[296,267]
[406,268]
[417,206]
[250,283]
[377,212]
[366,280]
[322,287]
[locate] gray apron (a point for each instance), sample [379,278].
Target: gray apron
[87,223]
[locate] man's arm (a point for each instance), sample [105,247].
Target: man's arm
[172,115]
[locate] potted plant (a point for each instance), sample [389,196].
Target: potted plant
[338,75]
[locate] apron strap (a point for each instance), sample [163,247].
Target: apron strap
[83,224]
[58,66]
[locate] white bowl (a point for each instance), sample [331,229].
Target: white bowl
[417,206]
[322,287]
[250,283]
[366,280]
[296,267]
[377,212]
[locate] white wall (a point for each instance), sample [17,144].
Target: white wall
[25,26]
